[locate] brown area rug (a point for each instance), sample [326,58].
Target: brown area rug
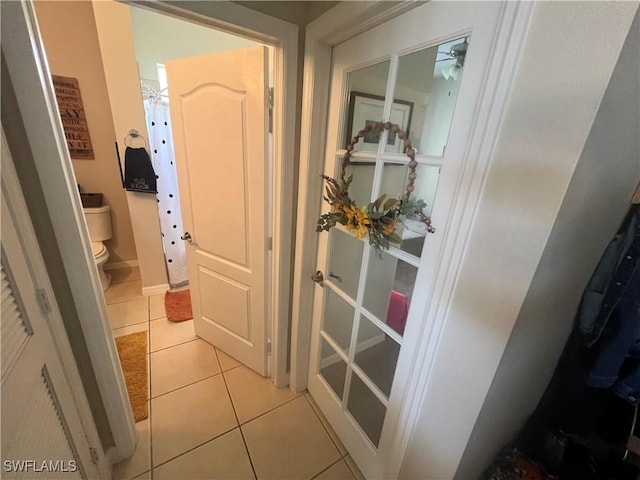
[132,350]
[178,306]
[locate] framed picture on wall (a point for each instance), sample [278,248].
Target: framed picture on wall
[365,109]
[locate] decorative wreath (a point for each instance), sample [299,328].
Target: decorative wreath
[377,220]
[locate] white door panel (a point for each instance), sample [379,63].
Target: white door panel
[42,432]
[219,114]
[371,308]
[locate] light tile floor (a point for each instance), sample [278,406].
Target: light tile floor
[209,415]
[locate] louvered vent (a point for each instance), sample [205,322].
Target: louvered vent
[13,329]
[40,436]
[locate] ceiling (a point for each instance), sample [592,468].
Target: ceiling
[299,12]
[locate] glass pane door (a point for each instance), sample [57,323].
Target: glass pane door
[368,294]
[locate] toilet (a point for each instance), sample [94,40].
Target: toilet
[99,224]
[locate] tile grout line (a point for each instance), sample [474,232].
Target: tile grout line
[151,465]
[244,440]
[356,475]
[164,462]
[171,346]
[333,464]
[185,385]
[325,427]
[270,410]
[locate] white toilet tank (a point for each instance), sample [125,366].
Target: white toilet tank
[99,223]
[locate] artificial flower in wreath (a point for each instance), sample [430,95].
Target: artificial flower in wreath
[377,220]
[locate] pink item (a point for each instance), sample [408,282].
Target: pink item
[398,310]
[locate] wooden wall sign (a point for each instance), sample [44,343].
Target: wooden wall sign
[73,117]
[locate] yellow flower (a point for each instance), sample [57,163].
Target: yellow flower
[389,228]
[357,220]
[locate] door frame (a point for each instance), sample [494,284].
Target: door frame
[283,38]
[27,65]
[336,26]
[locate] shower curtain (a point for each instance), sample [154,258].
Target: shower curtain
[162,157]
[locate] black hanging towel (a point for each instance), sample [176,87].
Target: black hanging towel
[138,171]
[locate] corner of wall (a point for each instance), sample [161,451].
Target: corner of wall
[594,204]
[123,84]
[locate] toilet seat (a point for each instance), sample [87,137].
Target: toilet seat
[97,248]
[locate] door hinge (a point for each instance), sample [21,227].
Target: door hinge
[270,244]
[270,109]
[268,347]
[43,300]
[94,455]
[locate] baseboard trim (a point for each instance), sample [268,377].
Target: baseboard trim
[155,289]
[117,265]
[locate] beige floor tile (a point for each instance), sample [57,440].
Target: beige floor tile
[338,471]
[124,274]
[167,334]
[289,442]
[334,436]
[227,362]
[128,313]
[123,292]
[156,306]
[252,394]
[138,327]
[181,365]
[225,457]
[190,416]
[144,476]
[141,460]
[357,474]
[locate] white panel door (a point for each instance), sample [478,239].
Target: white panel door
[219,113]
[371,307]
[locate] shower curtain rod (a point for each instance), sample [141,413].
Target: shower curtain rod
[151,93]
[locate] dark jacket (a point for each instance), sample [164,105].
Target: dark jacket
[610,314]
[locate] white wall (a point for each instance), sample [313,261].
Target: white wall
[159,38]
[121,76]
[548,119]
[595,203]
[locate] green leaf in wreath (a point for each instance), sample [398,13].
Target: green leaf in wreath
[379,201]
[390,204]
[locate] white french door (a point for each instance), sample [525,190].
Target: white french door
[423,71]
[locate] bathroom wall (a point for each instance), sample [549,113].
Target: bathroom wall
[123,86]
[69,34]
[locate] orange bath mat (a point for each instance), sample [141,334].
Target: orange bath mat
[178,306]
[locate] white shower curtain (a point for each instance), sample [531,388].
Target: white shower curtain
[162,156]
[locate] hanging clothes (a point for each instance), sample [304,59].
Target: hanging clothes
[614,332]
[582,424]
[168,197]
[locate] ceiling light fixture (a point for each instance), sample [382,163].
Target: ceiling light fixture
[458,52]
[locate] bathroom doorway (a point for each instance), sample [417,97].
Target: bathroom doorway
[160,38]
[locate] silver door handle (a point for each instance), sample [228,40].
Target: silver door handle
[187,237]
[318,277]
